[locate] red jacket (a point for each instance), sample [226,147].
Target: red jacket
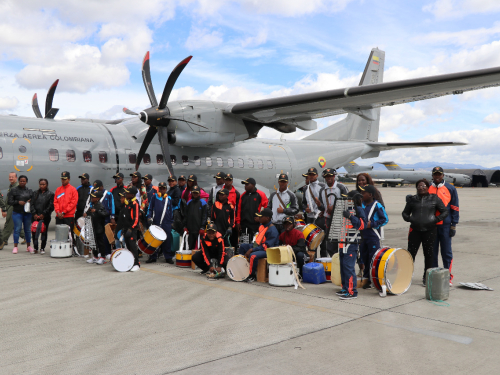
[65,200]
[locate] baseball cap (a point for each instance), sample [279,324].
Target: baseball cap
[304,175]
[84,175]
[437,170]
[172,178]
[329,172]
[96,194]
[192,177]
[136,174]
[211,227]
[147,177]
[97,183]
[228,176]
[131,190]
[65,175]
[283,177]
[312,171]
[195,189]
[119,175]
[220,175]
[267,212]
[249,180]
[368,189]
[181,177]
[289,219]
[121,194]
[162,184]
[224,191]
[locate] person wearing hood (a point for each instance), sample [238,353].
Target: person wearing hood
[282,202]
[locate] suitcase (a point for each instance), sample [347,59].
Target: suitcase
[313,273]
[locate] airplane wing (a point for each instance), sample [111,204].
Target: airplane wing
[382,146]
[361,99]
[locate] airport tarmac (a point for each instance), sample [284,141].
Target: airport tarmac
[64,316]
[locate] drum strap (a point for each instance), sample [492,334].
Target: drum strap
[381,234]
[281,200]
[295,273]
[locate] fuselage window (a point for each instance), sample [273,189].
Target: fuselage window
[230,163]
[159,159]
[208,160]
[173,159]
[87,156]
[250,163]
[22,149]
[185,160]
[269,164]
[240,163]
[70,156]
[146,159]
[53,154]
[132,158]
[220,163]
[1,153]
[197,161]
[260,164]
[103,156]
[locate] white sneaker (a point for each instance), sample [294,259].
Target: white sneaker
[42,252]
[135,268]
[108,257]
[92,260]
[101,261]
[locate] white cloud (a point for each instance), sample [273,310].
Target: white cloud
[470,37]
[461,8]
[8,102]
[493,118]
[203,39]
[294,7]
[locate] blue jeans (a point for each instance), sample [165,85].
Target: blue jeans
[22,220]
[254,256]
[347,271]
[443,238]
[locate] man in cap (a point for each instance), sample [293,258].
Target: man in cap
[303,201]
[118,191]
[150,188]
[160,213]
[98,214]
[141,195]
[130,219]
[267,236]
[376,218]
[312,195]
[182,181]
[175,195]
[252,201]
[294,238]
[83,194]
[446,229]
[328,194]
[282,202]
[212,256]
[233,198]
[219,184]
[222,215]
[191,182]
[195,219]
[65,201]
[108,201]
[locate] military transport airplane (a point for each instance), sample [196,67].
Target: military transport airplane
[399,176]
[203,137]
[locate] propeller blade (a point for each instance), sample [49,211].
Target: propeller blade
[145,144]
[50,97]
[52,113]
[146,77]
[36,108]
[165,149]
[129,112]
[171,81]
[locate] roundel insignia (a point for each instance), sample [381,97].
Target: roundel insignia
[322,161]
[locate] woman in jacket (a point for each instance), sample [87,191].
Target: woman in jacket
[17,198]
[42,206]
[423,211]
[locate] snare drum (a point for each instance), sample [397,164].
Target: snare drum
[122,260]
[77,228]
[281,275]
[152,239]
[60,249]
[313,234]
[327,265]
[238,268]
[183,259]
[392,268]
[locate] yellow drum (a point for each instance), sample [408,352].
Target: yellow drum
[154,236]
[327,264]
[336,279]
[391,269]
[183,258]
[313,234]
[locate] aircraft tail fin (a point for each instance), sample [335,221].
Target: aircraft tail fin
[352,167]
[390,165]
[361,124]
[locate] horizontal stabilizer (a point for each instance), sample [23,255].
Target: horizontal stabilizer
[381,146]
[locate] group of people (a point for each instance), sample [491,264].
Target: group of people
[216,220]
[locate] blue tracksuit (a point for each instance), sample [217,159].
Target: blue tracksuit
[371,240]
[109,204]
[348,258]
[155,211]
[270,239]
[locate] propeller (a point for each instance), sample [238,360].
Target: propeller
[50,112]
[158,115]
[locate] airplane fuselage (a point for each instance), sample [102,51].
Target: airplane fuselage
[396,177]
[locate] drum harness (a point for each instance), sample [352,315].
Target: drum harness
[161,220]
[88,229]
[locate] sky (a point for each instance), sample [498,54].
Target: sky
[252,49]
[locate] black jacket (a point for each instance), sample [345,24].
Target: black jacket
[130,215]
[98,217]
[83,195]
[213,250]
[116,190]
[175,194]
[17,194]
[196,215]
[42,203]
[421,211]
[223,216]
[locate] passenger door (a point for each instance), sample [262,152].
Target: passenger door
[23,155]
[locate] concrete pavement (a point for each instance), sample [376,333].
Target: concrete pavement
[63,316]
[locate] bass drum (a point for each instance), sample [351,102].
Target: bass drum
[122,260]
[238,268]
[313,234]
[392,268]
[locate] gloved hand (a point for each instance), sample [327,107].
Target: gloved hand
[229,231]
[346,214]
[128,233]
[186,231]
[201,232]
[150,221]
[408,198]
[453,231]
